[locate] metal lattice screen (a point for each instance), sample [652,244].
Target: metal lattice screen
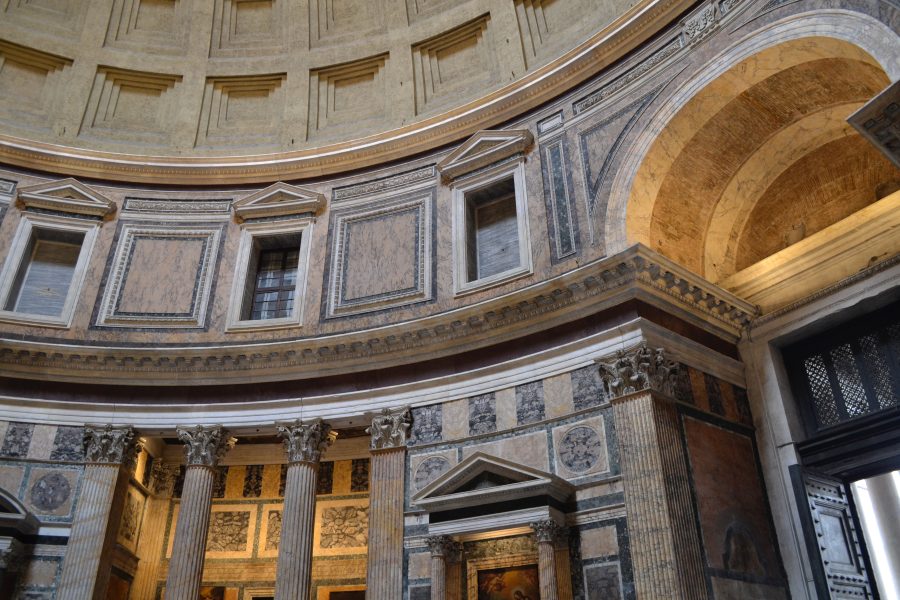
[849,371]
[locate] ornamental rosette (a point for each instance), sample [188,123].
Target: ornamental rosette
[108,445]
[390,428]
[205,446]
[305,442]
[639,369]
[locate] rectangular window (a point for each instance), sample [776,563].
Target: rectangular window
[42,282]
[490,229]
[44,269]
[492,235]
[271,275]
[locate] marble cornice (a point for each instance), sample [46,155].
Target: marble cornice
[636,26]
[635,273]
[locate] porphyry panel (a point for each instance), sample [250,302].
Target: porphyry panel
[382,255]
[135,297]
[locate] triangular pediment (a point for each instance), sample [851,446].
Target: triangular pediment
[277,200]
[484,148]
[67,195]
[14,515]
[485,479]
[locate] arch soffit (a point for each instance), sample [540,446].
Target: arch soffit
[786,43]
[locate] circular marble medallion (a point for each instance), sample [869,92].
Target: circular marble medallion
[429,470]
[50,491]
[579,449]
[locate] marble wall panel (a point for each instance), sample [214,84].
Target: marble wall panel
[506,409]
[587,389]
[325,481]
[342,527]
[558,399]
[599,542]
[229,531]
[456,419]
[381,255]
[17,440]
[482,414]
[11,477]
[530,449]
[50,492]
[253,479]
[733,512]
[134,294]
[427,424]
[220,482]
[271,530]
[425,468]
[359,475]
[530,402]
[559,199]
[40,578]
[42,439]
[729,589]
[68,445]
[132,517]
[581,448]
[603,581]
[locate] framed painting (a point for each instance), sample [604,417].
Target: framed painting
[503,578]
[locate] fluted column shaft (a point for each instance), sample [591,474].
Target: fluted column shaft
[153,530]
[665,546]
[204,446]
[384,573]
[297,522]
[86,566]
[547,571]
[441,547]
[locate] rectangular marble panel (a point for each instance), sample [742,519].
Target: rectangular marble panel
[42,442]
[587,389]
[558,396]
[425,468]
[427,424]
[50,492]
[714,395]
[68,444]
[253,479]
[342,527]
[528,449]
[17,440]
[219,482]
[558,198]
[229,531]
[325,483]
[599,542]
[359,475]
[602,582]
[456,419]
[341,477]
[506,409]
[482,414]
[529,402]
[419,565]
[11,477]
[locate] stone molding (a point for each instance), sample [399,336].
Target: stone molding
[483,149]
[305,442]
[278,200]
[547,531]
[109,445]
[205,446]
[634,272]
[390,428]
[67,196]
[638,369]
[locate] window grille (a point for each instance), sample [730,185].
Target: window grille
[849,371]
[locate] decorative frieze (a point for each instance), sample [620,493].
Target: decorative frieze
[637,369]
[105,444]
[205,446]
[305,442]
[390,428]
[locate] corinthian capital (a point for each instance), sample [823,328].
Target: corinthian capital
[637,369]
[105,444]
[547,530]
[305,442]
[442,545]
[205,446]
[390,428]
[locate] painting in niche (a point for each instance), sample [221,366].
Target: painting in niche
[212,593]
[509,583]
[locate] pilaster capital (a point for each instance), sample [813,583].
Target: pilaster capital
[547,531]
[162,477]
[108,445]
[442,545]
[637,369]
[205,445]
[390,428]
[305,442]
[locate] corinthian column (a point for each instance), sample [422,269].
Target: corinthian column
[203,448]
[304,444]
[384,575]
[546,532]
[441,547]
[109,459]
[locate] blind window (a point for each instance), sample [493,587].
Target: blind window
[492,232]
[45,275]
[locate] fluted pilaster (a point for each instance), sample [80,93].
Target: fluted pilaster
[204,447]
[546,532]
[109,454]
[304,444]
[384,577]
[665,547]
[153,529]
[442,547]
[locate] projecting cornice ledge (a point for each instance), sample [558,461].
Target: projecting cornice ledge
[636,273]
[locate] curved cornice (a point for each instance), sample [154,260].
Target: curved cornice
[637,25]
[634,273]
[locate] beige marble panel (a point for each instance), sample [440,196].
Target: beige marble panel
[420,565]
[341,477]
[599,542]
[351,568]
[234,482]
[267,550]
[11,478]
[144,291]
[506,408]
[381,255]
[41,573]
[456,419]
[342,527]
[4,425]
[529,450]
[558,396]
[42,442]
[271,481]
